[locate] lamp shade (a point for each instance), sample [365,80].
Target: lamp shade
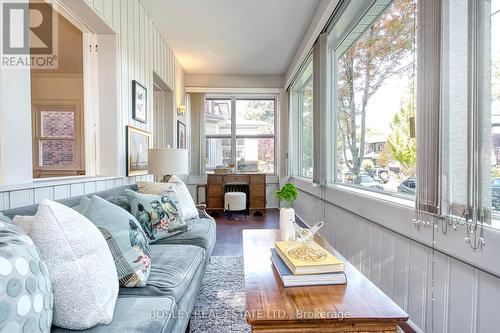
[168,161]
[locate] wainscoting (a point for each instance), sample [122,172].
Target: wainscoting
[24,195]
[465,297]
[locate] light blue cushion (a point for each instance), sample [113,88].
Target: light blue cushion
[26,298]
[125,238]
[174,268]
[138,315]
[202,233]
[159,215]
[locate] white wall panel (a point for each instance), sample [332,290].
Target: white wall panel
[464,297]
[29,196]
[21,198]
[44,193]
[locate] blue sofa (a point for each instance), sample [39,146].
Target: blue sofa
[177,269]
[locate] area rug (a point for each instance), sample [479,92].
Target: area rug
[220,307]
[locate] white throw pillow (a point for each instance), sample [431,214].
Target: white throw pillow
[80,265]
[188,208]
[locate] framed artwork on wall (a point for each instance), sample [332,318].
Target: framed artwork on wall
[139,102]
[181,135]
[138,143]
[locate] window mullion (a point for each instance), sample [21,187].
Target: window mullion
[233,130]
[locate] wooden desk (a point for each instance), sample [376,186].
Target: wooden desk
[256,190]
[358,306]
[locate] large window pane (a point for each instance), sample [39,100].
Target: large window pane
[254,117]
[376,69]
[57,123]
[255,155]
[306,131]
[218,153]
[57,153]
[218,117]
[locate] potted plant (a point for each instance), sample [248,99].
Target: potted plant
[287,195]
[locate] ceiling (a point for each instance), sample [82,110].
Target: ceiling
[250,37]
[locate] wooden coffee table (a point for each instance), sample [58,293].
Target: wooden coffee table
[358,306]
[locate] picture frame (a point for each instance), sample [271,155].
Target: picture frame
[181,135]
[139,102]
[138,144]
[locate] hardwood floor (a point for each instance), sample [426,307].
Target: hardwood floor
[229,238]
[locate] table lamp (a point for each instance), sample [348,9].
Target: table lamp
[165,162]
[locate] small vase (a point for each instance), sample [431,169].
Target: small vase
[287,221]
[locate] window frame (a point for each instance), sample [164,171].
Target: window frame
[304,78]
[234,137]
[78,168]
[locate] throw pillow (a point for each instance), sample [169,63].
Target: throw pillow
[159,215]
[80,266]
[26,298]
[126,240]
[187,205]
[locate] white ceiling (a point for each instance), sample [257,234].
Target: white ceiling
[253,37]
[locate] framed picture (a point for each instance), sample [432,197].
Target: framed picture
[181,135]
[139,102]
[138,143]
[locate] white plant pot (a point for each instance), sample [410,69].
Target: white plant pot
[287,221]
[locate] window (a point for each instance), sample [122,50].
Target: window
[302,108]
[374,97]
[57,140]
[240,131]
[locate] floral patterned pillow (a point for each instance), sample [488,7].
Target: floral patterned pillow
[160,216]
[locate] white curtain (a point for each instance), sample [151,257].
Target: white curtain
[197,105]
[429,109]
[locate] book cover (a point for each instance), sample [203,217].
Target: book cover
[291,280]
[308,259]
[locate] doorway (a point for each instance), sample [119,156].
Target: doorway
[163,106]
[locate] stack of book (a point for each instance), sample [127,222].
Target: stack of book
[306,265]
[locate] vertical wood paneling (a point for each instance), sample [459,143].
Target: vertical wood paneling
[90,187]
[4,200]
[61,192]
[44,193]
[460,299]
[21,198]
[77,189]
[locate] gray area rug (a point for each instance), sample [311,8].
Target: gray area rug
[220,306]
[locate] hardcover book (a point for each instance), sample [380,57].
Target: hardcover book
[308,258]
[291,280]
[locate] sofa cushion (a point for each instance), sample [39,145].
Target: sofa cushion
[173,268]
[138,315]
[78,259]
[126,240]
[201,233]
[159,215]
